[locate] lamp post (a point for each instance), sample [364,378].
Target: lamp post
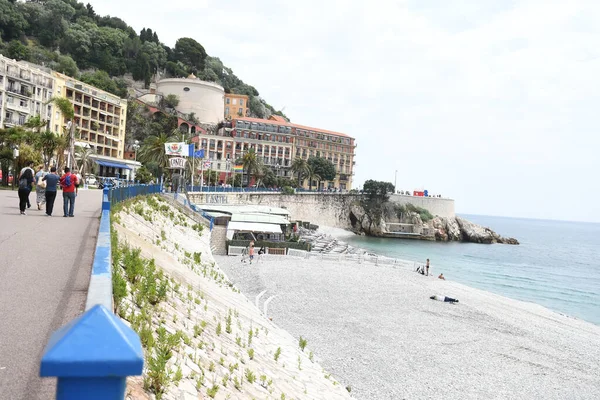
[136,146]
[395,177]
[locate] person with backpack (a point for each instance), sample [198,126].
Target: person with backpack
[29,166]
[25,182]
[51,181]
[67,183]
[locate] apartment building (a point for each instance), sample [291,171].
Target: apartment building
[236,105]
[24,91]
[333,146]
[100,119]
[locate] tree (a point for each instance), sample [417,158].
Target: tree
[12,23]
[311,175]
[300,167]
[376,195]
[170,101]
[143,175]
[235,180]
[323,168]
[251,164]
[378,190]
[66,65]
[102,80]
[190,53]
[48,142]
[17,50]
[153,150]
[83,155]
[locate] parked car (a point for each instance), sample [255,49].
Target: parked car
[10,177]
[91,180]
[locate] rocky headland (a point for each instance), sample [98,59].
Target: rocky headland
[392,220]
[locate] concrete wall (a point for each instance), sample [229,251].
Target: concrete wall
[205,99]
[330,209]
[435,205]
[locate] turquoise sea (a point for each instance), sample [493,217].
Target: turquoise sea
[556,265]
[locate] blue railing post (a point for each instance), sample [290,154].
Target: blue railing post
[92,356]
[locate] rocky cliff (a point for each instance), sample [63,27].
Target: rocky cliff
[377,221]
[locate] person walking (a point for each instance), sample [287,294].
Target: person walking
[40,187]
[79,181]
[427,268]
[251,252]
[51,181]
[25,182]
[68,182]
[29,166]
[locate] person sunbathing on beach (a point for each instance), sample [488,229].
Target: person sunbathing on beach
[445,299]
[441,277]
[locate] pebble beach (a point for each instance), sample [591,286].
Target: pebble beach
[376,329]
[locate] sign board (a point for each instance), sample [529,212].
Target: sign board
[177,162]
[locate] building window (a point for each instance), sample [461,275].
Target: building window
[228,100]
[241,102]
[239,111]
[227,110]
[234,102]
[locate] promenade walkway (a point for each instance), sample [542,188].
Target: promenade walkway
[45,266]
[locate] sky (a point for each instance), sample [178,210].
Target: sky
[493,103]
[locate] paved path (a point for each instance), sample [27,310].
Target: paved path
[45,266]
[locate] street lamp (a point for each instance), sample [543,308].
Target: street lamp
[136,146]
[395,177]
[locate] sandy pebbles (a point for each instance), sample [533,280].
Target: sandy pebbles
[376,329]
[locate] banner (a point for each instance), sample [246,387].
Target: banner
[177,162]
[179,149]
[238,168]
[207,164]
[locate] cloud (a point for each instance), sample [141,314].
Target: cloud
[483,101]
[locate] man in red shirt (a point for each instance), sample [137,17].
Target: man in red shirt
[67,183]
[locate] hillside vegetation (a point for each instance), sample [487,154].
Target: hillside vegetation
[71,38]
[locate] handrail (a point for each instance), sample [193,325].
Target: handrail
[72,353]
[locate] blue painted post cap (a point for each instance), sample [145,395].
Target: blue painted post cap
[96,344]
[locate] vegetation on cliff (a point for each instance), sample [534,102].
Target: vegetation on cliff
[69,37]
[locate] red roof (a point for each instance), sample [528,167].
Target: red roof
[283,122]
[277,118]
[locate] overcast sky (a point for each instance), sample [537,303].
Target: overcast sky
[493,103]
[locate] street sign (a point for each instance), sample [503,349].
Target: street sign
[177,162]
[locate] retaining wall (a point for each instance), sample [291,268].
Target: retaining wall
[326,209]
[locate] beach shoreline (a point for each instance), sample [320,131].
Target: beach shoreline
[376,329]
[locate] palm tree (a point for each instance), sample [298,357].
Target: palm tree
[300,167]
[153,150]
[311,175]
[35,123]
[250,163]
[66,108]
[48,142]
[84,156]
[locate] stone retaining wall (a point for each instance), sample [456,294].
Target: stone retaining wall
[326,209]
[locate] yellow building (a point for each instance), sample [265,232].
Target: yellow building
[236,105]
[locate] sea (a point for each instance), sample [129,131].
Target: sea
[556,265]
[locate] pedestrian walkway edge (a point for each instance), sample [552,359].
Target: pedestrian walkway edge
[100,289]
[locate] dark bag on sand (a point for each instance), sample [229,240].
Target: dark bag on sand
[23,183]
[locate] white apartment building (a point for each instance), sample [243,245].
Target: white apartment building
[24,91]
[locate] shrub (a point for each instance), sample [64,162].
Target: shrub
[302,343]
[287,190]
[277,353]
[250,377]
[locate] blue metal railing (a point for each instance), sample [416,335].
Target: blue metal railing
[121,193]
[237,189]
[72,354]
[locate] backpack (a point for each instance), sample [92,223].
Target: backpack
[68,181]
[23,183]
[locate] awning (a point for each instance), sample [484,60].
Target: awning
[112,164]
[253,227]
